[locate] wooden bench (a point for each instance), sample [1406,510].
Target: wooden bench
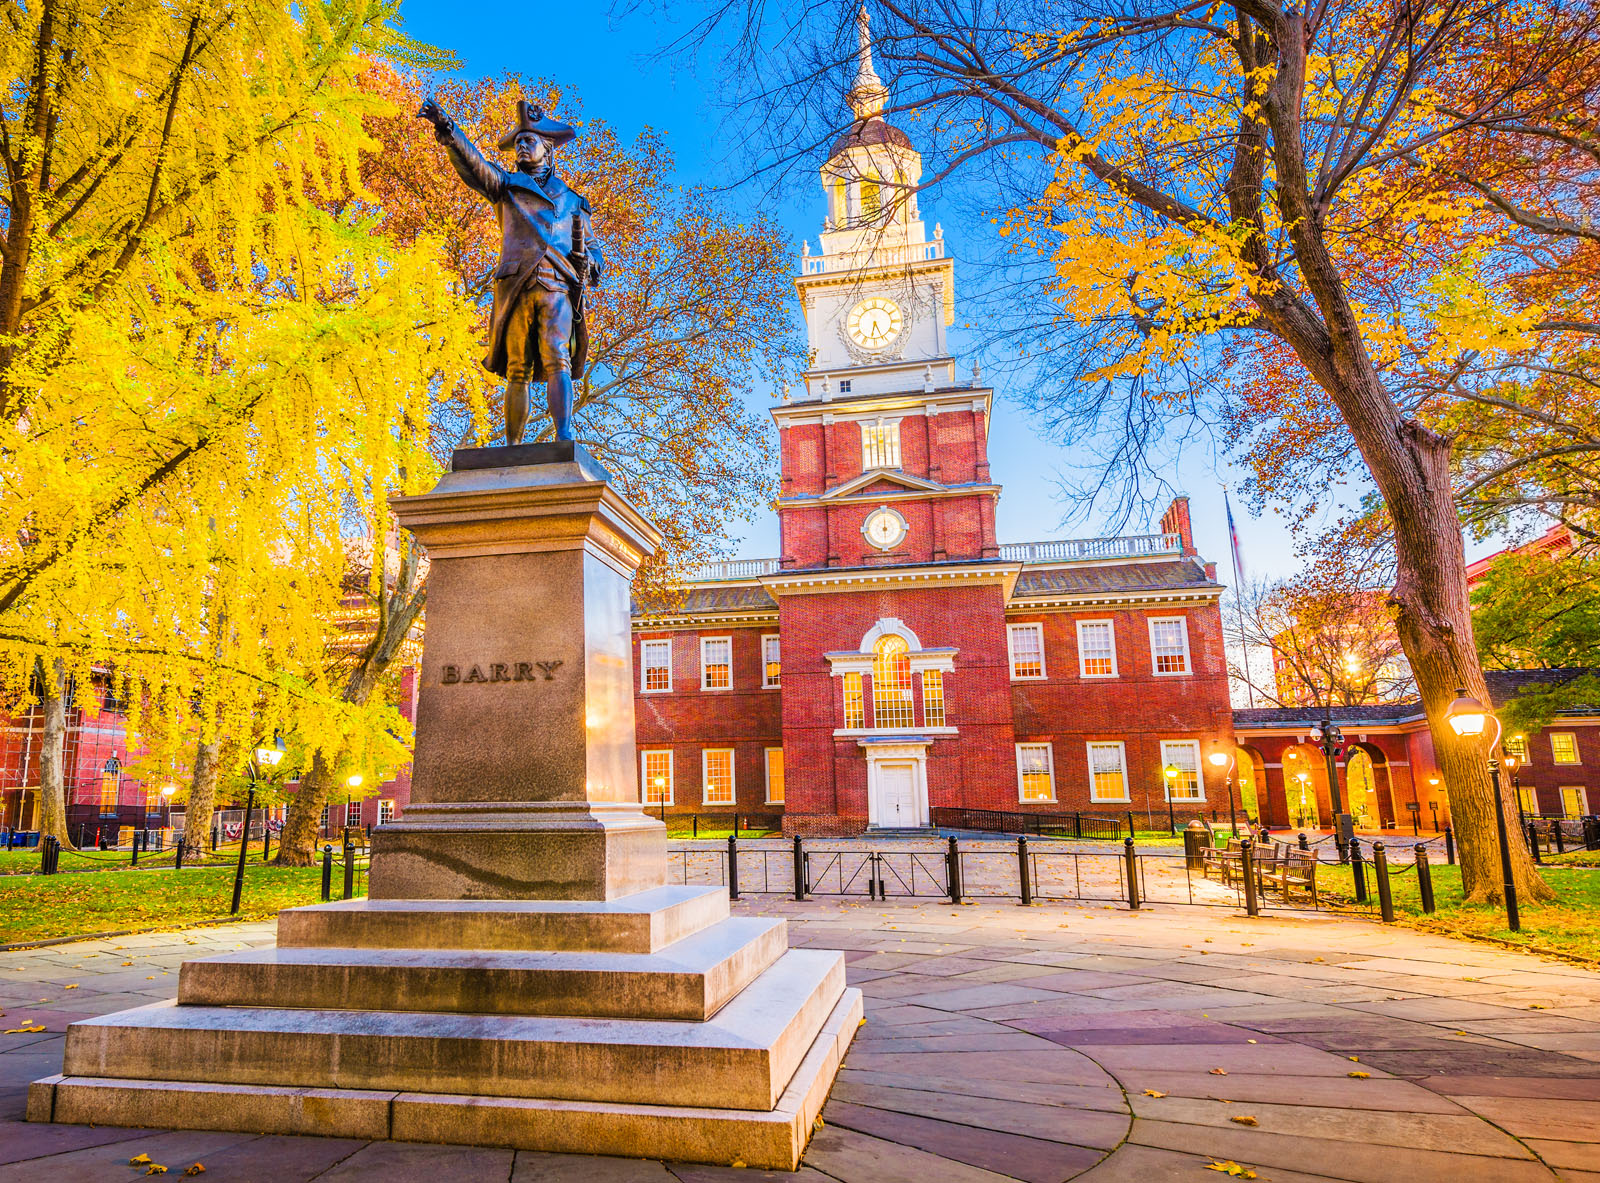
[1296,874]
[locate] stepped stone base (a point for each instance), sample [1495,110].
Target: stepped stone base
[656,1025]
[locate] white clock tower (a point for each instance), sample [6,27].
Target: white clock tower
[880,296]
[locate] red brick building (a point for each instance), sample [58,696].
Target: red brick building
[897,657]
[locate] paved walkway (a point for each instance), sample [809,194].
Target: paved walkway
[1039,1044]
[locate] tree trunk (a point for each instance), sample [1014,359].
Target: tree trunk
[297,844]
[1434,618]
[202,799]
[52,754]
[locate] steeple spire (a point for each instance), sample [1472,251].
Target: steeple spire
[867,94]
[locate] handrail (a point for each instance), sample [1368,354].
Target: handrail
[1111,547]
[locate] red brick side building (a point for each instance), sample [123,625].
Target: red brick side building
[897,657]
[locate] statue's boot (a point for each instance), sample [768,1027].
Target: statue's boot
[516,409]
[559,394]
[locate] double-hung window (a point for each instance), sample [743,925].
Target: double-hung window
[855,703]
[1097,649]
[1027,650]
[1108,771]
[1169,644]
[1183,757]
[1575,802]
[1036,779]
[1564,747]
[771,666]
[716,663]
[717,768]
[385,811]
[655,766]
[655,662]
[352,813]
[774,776]
[932,698]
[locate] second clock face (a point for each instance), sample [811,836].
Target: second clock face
[884,528]
[875,322]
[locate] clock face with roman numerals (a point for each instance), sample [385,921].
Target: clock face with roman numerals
[884,528]
[875,322]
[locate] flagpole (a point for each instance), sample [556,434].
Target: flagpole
[1238,596]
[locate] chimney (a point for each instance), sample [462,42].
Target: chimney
[1176,521]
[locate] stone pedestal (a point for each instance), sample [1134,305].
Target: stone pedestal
[524,784]
[522,975]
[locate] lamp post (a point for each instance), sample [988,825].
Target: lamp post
[352,783]
[166,804]
[266,759]
[1511,763]
[1329,737]
[1305,786]
[661,797]
[1218,759]
[1171,772]
[1468,717]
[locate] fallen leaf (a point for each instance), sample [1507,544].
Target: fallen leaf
[1249,1041]
[127,963]
[70,986]
[196,1169]
[139,1160]
[1231,1168]
[1360,1075]
[155,1168]
[1319,959]
[1153,1093]
[1355,1059]
[737,1163]
[819,1123]
[33,1030]
[1219,1072]
[1244,1119]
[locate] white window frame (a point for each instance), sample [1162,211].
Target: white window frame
[327,818]
[1011,652]
[705,667]
[1583,799]
[1111,628]
[1199,772]
[876,434]
[1528,800]
[1122,757]
[1577,752]
[352,807]
[705,777]
[644,777]
[385,810]
[769,683]
[1188,656]
[1050,768]
[766,766]
[644,666]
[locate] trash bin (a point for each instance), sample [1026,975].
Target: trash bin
[1196,841]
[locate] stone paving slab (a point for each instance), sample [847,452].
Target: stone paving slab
[1005,1043]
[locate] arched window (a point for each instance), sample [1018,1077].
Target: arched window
[1361,788]
[110,785]
[891,684]
[869,200]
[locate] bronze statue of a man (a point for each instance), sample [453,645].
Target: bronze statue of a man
[547,255]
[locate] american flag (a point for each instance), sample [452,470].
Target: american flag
[1233,541]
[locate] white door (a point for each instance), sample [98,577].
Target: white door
[897,794]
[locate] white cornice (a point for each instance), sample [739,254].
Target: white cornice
[842,579]
[839,497]
[1149,599]
[856,407]
[681,621]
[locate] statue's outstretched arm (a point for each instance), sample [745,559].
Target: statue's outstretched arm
[476,172]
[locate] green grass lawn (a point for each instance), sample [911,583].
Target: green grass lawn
[37,907]
[1570,924]
[26,862]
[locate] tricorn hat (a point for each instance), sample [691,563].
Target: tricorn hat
[531,117]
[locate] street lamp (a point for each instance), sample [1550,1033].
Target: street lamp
[1329,737]
[267,757]
[1468,717]
[1171,772]
[166,803]
[1218,759]
[661,797]
[352,783]
[1305,785]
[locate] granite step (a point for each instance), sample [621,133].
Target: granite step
[763,1139]
[691,979]
[645,922]
[740,1059]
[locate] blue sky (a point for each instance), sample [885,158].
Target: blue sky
[613,62]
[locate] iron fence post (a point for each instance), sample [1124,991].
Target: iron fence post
[327,871]
[136,836]
[244,845]
[1130,823]
[1357,875]
[1022,872]
[1380,872]
[952,860]
[694,822]
[177,855]
[1424,879]
[799,869]
[1247,866]
[1561,838]
[1077,825]
[1533,840]
[266,842]
[1449,844]
[1304,844]
[1131,860]
[733,867]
